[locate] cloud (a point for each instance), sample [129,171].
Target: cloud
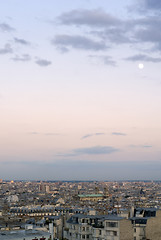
[87,136]
[6,49]
[21,41]
[142,57]
[95,150]
[118,134]
[6,27]
[146,6]
[23,58]
[115,35]
[78,42]
[92,135]
[43,62]
[112,30]
[141,146]
[52,134]
[148,31]
[103,25]
[46,134]
[63,49]
[107,60]
[34,133]
[98,134]
[93,18]
[147,146]
[152,4]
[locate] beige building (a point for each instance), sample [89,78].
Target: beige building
[153,227]
[146,224]
[117,228]
[98,228]
[90,197]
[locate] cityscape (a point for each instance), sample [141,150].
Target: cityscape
[80,210]
[80,120]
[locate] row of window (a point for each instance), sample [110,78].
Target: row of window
[111,233]
[111,224]
[81,237]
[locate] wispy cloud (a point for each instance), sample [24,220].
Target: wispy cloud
[119,134]
[151,5]
[141,146]
[95,150]
[112,30]
[107,60]
[93,18]
[43,62]
[142,57]
[92,135]
[6,49]
[147,146]
[22,58]
[21,41]
[33,133]
[78,42]
[45,134]
[6,27]
[52,134]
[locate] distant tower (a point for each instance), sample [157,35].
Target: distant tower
[132,211]
[96,190]
[47,188]
[106,193]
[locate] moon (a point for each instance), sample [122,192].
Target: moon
[140,65]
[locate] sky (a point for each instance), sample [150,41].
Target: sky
[80,90]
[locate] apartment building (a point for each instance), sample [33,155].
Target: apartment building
[98,228]
[146,224]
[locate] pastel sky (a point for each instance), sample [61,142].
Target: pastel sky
[74,104]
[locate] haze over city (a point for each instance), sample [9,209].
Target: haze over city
[80,90]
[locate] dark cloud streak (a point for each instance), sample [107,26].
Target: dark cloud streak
[6,27]
[107,60]
[43,62]
[95,150]
[141,57]
[23,58]
[92,135]
[6,49]
[78,42]
[21,41]
[118,134]
[93,18]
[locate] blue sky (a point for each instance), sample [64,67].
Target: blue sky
[74,102]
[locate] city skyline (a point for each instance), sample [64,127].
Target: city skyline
[80,90]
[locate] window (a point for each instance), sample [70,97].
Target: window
[108,233]
[114,233]
[100,232]
[83,236]
[111,224]
[73,227]
[111,233]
